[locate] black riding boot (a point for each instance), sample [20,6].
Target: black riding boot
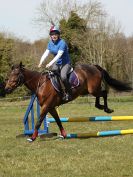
[68,92]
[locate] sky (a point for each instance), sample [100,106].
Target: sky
[16,17]
[121,11]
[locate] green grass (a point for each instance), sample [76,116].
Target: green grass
[93,157]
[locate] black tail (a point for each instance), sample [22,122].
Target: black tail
[115,84]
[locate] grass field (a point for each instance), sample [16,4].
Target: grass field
[93,157]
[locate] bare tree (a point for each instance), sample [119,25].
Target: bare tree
[51,12]
[101,43]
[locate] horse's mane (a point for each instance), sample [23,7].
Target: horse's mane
[22,67]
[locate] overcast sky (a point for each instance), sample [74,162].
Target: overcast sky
[16,16]
[122,11]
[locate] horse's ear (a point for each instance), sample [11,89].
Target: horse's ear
[12,67]
[21,64]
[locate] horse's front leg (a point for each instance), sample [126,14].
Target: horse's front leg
[44,111]
[55,115]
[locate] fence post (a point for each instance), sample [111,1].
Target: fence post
[29,117]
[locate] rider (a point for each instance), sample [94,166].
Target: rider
[61,61]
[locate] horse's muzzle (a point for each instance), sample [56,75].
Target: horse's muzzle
[8,90]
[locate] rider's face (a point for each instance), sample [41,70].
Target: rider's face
[54,37]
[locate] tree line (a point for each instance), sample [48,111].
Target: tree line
[91,39]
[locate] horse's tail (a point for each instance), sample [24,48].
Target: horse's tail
[115,84]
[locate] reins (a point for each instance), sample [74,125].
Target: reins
[38,84]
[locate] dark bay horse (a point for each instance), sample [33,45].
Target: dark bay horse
[90,77]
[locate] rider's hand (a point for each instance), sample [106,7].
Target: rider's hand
[39,66]
[48,65]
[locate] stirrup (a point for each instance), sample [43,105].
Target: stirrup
[66,97]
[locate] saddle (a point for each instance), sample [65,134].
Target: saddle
[58,84]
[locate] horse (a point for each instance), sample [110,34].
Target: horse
[90,79]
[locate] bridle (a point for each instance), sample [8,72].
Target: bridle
[20,81]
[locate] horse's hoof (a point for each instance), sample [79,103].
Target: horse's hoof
[30,140]
[109,110]
[61,137]
[101,107]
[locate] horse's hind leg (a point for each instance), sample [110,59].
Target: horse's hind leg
[55,115]
[97,103]
[106,109]
[105,106]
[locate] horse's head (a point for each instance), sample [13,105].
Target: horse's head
[15,79]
